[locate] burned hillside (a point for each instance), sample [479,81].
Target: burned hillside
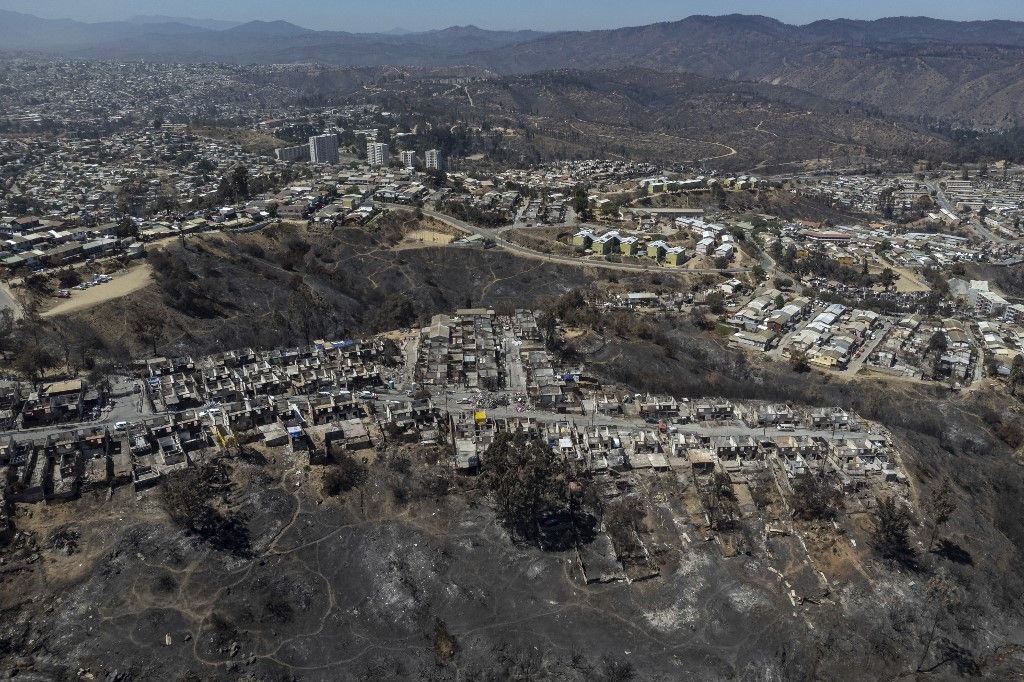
[292,284]
[515,515]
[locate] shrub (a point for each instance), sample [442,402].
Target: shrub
[346,474]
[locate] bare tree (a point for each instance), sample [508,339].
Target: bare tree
[719,501]
[941,506]
[944,597]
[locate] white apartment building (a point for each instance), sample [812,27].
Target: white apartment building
[434,159]
[377,154]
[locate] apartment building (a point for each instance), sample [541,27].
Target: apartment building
[323,149]
[377,154]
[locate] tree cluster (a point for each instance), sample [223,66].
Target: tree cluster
[816,496]
[528,481]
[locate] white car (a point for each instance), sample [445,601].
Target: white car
[120,426]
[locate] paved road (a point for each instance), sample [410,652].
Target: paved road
[732,428]
[868,348]
[494,234]
[975,226]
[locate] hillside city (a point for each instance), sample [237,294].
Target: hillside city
[338,371]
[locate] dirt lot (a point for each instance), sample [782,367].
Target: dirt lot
[124,283]
[909,281]
[417,239]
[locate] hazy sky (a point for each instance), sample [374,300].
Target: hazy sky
[383,15]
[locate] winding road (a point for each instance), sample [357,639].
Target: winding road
[494,234]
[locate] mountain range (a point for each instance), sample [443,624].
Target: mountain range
[964,72]
[210,24]
[187,40]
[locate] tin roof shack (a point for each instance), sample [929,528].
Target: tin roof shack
[56,402]
[356,435]
[121,461]
[274,435]
[702,462]
[298,439]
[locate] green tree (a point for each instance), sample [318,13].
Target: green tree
[890,535]
[716,302]
[798,360]
[527,479]
[581,203]
[1016,373]
[126,228]
[937,343]
[240,183]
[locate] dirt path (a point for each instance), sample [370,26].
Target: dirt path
[731,150]
[124,283]
[7,300]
